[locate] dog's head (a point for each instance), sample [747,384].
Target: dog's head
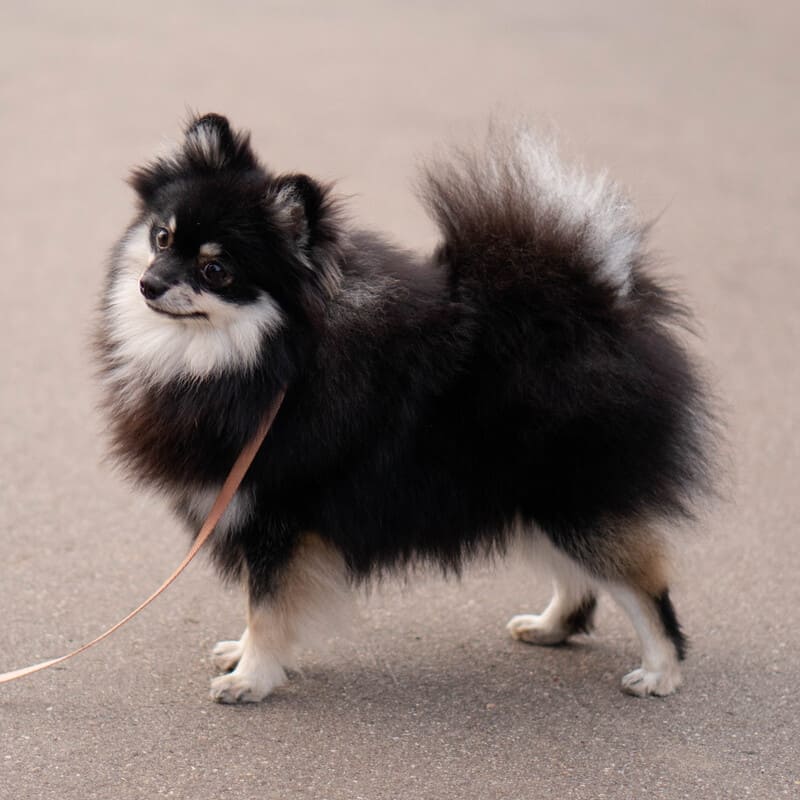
[223,251]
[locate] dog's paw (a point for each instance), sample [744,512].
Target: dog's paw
[535,629]
[248,685]
[225,655]
[643,683]
[235,688]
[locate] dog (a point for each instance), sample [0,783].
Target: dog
[526,383]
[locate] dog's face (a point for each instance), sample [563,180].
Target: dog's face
[222,256]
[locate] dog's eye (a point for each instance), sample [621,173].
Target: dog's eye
[215,275]
[163,238]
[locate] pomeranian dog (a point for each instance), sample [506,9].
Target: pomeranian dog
[524,383]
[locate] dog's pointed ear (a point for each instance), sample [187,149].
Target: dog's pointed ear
[298,205]
[210,143]
[149,178]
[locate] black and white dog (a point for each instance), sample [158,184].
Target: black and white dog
[524,384]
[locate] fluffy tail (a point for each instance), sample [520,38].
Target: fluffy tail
[555,262]
[515,206]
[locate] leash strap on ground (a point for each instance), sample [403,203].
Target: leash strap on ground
[232,482]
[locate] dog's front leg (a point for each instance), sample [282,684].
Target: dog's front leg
[309,598]
[258,659]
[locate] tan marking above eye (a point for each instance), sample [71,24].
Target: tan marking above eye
[210,250]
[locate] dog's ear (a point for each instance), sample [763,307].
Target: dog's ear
[298,204]
[149,178]
[209,145]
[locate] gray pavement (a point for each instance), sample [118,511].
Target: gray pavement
[693,106]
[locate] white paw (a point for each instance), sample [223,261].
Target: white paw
[246,687]
[225,655]
[535,629]
[642,682]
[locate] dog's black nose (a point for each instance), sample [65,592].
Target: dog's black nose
[151,287]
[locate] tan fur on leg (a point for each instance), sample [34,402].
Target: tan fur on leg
[309,603]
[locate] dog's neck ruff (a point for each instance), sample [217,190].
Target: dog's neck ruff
[226,494]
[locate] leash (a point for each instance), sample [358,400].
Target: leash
[229,488]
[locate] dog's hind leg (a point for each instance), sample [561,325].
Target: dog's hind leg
[306,602]
[571,609]
[662,640]
[636,576]
[629,559]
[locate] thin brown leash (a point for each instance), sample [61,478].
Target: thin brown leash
[232,482]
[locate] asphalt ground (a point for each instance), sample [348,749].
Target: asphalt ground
[692,106]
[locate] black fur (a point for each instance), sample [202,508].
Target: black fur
[432,403]
[581,620]
[669,620]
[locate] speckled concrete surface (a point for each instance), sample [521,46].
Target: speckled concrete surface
[693,106]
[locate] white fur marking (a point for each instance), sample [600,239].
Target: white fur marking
[590,208]
[206,139]
[159,348]
[198,502]
[593,204]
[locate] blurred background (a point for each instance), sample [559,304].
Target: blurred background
[690,105]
